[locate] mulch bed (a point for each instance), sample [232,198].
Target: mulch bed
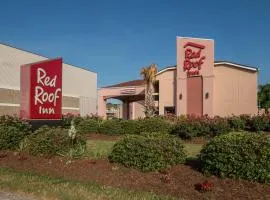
[179,181]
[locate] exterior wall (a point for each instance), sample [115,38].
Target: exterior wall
[235,91]
[10,103]
[116,92]
[138,109]
[167,89]
[78,83]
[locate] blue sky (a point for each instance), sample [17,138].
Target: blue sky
[117,38]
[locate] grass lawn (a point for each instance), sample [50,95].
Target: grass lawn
[193,149]
[100,148]
[48,188]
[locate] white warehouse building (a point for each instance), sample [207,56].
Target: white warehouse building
[79,85]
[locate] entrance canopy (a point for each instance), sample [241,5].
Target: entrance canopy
[127,92]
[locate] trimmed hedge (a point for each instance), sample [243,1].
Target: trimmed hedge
[238,155]
[155,124]
[88,126]
[131,127]
[152,151]
[134,127]
[111,127]
[201,126]
[12,131]
[47,141]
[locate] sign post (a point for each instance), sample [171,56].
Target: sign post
[41,90]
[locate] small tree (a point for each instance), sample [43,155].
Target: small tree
[264,96]
[149,74]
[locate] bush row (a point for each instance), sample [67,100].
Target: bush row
[192,126]
[120,127]
[185,126]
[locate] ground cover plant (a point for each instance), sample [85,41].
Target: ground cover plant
[238,155]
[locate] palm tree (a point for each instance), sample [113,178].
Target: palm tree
[149,75]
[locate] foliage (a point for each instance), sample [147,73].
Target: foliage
[219,125]
[238,155]
[148,153]
[149,75]
[236,123]
[154,124]
[111,127]
[130,126]
[12,132]
[54,141]
[260,123]
[88,126]
[14,121]
[67,118]
[264,96]
[77,119]
[193,126]
[189,129]
[10,137]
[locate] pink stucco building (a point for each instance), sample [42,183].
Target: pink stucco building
[196,85]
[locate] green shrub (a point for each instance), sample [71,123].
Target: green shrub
[66,120]
[10,137]
[219,126]
[236,123]
[16,122]
[111,127]
[48,141]
[130,126]
[155,124]
[12,132]
[190,129]
[238,155]
[259,123]
[148,153]
[88,126]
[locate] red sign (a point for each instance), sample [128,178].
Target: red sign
[41,90]
[193,59]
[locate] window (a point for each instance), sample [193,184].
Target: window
[169,110]
[156,87]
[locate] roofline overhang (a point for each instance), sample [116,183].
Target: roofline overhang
[217,63]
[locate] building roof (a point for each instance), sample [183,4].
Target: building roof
[233,64]
[217,63]
[46,57]
[166,69]
[128,83]
[173,67]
